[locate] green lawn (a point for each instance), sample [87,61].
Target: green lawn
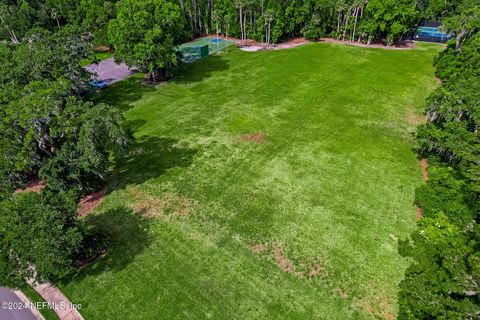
[323,194]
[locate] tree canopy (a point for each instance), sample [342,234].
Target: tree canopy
[145,34]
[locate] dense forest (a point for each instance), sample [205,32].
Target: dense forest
[49,129]
[264,20]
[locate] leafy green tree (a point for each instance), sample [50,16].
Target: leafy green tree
[67,140]
[81,162]
[389,18]
[94,16]
[145,34]
[39,237]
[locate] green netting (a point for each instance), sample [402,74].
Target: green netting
[192,51]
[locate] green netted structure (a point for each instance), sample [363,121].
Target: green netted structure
[201,48]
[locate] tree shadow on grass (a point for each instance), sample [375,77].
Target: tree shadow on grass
[149,158]
[129,235]
[201,69]
[125,93]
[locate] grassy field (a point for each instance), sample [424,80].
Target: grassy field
[262,186]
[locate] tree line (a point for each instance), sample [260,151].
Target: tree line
[51,130]
[444,280]
[267,21]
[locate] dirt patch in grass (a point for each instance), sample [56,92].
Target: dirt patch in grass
[168,206]
[311,269]
[34,184]
[376,303]
[414,118]
[252,45]
[283,262]
[89,203]
[257,248]
[341,292]
[258,137]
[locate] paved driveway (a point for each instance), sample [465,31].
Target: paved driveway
[110,72]
[9,299]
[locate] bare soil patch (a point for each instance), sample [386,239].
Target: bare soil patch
[424,166]
[257,248]
[341,292]
[376,303]
[311,269]
[283,262]
[90,202]
[252,45]
[34,184]
[257,137]
[168,206]
[414,118]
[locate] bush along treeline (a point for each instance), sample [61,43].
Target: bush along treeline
[444,280]
[48,129]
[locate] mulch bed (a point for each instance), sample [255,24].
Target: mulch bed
[34,184]
[91,202]
[424,166]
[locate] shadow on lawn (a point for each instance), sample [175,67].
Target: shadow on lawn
[150,158]
[124,93]
[129,235]
[201,69]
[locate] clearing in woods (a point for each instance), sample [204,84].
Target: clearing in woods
[262,185]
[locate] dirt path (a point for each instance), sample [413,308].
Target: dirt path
[63,307]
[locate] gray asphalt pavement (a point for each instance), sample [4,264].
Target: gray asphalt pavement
[110,72]
[12,307]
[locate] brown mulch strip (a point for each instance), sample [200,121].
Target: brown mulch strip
[91,202]
[424,165]
[34,184]
[83,263]
[419,213]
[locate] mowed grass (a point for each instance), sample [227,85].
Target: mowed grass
[262,186]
